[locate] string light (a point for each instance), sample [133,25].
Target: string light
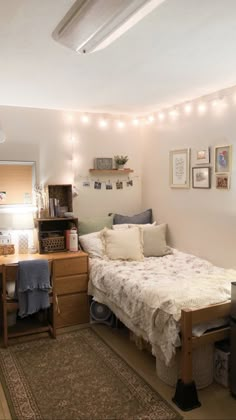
[217,101]
[85,119]
[103,123]
[120,124]
[188,109]
[135,121]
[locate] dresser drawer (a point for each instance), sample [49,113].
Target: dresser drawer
[70,266]
[74,309]
[71,284]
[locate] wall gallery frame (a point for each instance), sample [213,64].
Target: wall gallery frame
[179,168]
[223,159]
[202,156]
[201,177]
[223,181]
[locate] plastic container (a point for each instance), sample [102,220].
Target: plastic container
[73,240]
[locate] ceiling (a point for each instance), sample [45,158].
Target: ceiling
[182,50]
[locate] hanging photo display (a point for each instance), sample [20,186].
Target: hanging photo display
[129,183]
[86,184]
[97,185]
[109,186]
[119,185]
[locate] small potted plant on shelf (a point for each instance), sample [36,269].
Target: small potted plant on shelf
[120,161]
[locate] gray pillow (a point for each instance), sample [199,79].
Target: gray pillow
[154,241]
[94,224]
[137,219]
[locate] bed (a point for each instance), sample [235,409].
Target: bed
[162,300]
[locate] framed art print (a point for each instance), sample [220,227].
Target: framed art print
[223,159]
[179,168]
[202,156]
[222,181]
[103,163]
[201,177]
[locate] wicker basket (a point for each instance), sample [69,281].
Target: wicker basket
[7,249]
[54,244]
[202,367]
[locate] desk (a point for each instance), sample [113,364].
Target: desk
[70,280]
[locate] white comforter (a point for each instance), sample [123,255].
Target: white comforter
[148,296]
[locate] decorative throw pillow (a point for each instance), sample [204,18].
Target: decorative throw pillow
[154,241]
[130,225]
[92,244]
[137,219]
[94,224]
[123,244]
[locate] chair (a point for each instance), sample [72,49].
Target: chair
[42,321]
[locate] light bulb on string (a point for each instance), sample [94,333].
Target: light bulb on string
[188,108]
[151,119]
[85,119]
[135,121]
[161,116]
[120,124]
[202,108]
[103,123]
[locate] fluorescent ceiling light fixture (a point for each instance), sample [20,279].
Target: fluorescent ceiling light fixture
[91,25]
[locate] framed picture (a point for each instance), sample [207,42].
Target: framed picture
[222,181]
[179,168]
[103,163]
[201,177]
[223,158]
[202,156]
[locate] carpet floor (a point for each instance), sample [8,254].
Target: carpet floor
[76,376]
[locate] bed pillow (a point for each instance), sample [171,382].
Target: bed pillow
[92,243]
[130,225]
[123,244]
[154,241]
[137,219]
[94,224]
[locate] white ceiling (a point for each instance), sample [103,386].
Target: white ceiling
[182,50]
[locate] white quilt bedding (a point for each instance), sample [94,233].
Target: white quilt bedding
[148,296]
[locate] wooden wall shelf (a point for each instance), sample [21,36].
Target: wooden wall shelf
[111,171]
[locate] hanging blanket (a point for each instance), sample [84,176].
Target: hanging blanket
[32,286]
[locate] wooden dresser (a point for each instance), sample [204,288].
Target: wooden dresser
[71,284]
[70,279]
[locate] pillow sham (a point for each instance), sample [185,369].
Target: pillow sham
[154,241]
[123,244]
[92,243]
[137,219]
[130,225]
[94,224]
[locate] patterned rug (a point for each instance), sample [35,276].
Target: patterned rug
[76,376]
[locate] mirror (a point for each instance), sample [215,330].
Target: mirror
[17,181]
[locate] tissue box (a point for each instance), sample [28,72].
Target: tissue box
[221,363]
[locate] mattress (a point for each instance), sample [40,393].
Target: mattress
[148,296]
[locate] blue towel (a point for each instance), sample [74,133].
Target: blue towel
[32,286]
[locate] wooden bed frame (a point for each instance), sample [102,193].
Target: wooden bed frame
[186,395]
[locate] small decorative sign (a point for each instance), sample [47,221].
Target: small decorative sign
[103,163]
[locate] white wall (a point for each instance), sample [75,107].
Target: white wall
[45,136]
[202,222]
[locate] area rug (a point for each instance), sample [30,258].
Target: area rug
[76,376]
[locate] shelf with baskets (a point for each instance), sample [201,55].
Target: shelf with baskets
[51,233]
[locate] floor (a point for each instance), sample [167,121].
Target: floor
[216,400]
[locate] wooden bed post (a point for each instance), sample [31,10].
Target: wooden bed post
[186,393]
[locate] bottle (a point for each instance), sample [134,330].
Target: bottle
[73,240]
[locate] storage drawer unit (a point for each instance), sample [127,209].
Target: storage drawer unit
[71,284]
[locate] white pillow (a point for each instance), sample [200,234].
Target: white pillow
[123,244]
[129,225]
[92,243]
[154,241]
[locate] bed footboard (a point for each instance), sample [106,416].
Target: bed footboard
[186,394]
